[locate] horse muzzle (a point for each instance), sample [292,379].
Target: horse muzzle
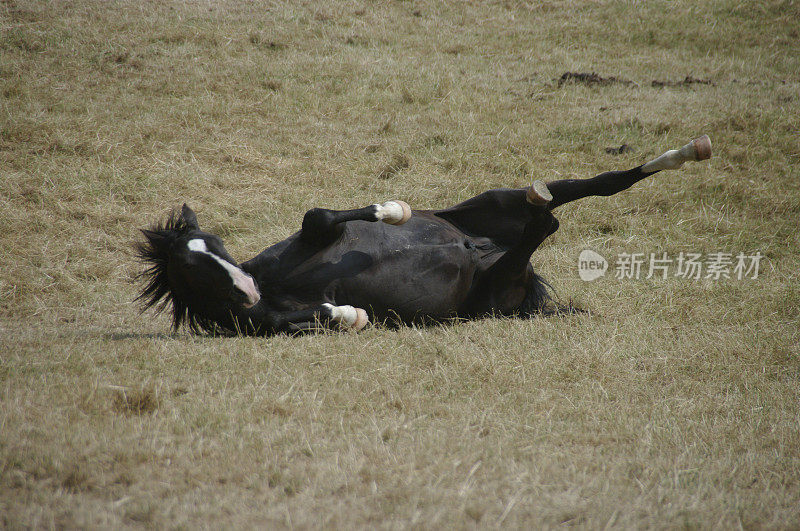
[245,284]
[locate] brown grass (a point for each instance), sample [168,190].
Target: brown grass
[134,401]
[672,403]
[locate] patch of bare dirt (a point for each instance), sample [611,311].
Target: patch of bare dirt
[591,78]
[688,80]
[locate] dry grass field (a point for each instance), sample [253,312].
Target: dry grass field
[670,403]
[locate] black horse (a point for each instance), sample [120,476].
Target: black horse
[343,268]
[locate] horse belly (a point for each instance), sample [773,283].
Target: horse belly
[420,271]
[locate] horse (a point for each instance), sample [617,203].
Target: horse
[381,263]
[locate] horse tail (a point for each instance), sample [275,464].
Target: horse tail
[541,299]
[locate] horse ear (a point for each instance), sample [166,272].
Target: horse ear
[189,217]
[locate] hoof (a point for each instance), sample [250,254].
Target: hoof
[347,317]
[406,213]
[702,148]
[362,319]
[538,194]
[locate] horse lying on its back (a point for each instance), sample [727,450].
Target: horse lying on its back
[344,267]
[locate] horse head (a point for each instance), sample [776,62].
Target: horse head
[191,270]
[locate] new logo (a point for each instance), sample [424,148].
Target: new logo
[591,265]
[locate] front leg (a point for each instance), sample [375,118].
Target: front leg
[345,317]
[321,225]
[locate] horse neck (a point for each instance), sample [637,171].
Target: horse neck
[241,321]
[207,315]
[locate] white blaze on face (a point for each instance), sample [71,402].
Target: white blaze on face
[240,279]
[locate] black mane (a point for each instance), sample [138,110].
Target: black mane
[155,253]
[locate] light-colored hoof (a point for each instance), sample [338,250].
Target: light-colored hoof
[538,194]
[702,148]
[362,320]
[347,317]
[406,213]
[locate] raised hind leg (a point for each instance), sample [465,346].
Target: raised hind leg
[321,225]
[502,288]
[612,182]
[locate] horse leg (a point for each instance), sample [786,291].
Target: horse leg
[504,285]
[612,182]
[321,224]
[345,317]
